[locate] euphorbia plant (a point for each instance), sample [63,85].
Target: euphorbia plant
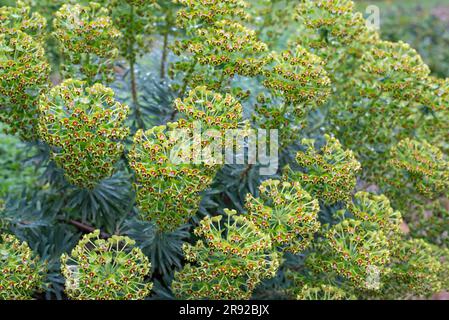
[87,38]
[84,126]
[24,75]
[22,274]
[111,269]
[231,258]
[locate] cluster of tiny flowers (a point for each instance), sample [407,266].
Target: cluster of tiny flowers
[362,243]
[24,75]
[333,21]
[21,18]
[228,262]
[171,166]
[84,126]
[168,191]
[328,174]
[134,19]
[208,11]
[323,292]
[399,67]
[217,40]
[111,269]
[376,209]
[21,273]
[352,249]
[286,212]
[414,272]
[299,77]
[297,83]
[422,165]
[88,41]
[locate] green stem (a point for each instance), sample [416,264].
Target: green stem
[165,45]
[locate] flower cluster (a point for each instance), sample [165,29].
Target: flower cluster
[134,20]
[286,212]
[400,68]
[422,165]
[328,174]
[228,262]
[297,83]
[377,209]
[111,269]
[168,182]
[24,76]
[84,126]
[206,11]
[21,18]
[352,249]
[299,77]
[332,21]
[171,162]
[88,41]
[415,271]
[219,45]
[21,273]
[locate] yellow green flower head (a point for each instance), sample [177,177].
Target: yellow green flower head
[299,77]
[376,209]
[422,165]
[231,258]
[328,174]
[414,271]
[171,171]
[24,75]
[21,18]
[323,292]
[226,46]
[333,18]
[112,269]
[352,249]
[88,40]
[207,11]
[211,109]
[168,182]
[85,128]
[396,69]
[286,212]
[21,273]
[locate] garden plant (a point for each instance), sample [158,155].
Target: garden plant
[136,134]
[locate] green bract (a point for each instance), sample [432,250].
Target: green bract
[328,174]
[353,250]
[333,21]
[422,165]
[21,273]
[286,212]
[21,18]
[171,165]
[84,126]
[218,46]
[231,258]
[111,269]
[24,76]
[298,77]
[87,39]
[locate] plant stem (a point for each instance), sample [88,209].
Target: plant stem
[165,45]
[87,228]
[184,88]
[132,70]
